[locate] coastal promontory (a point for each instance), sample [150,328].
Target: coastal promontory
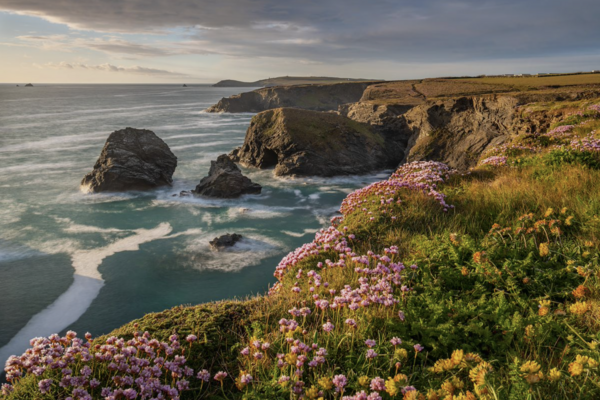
[132,159]
[304,143]
[309,97]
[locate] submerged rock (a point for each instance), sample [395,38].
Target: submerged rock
[304,143]
[132,159]
[225,180]
[224,241]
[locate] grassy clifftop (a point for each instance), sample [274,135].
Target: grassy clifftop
[433,285]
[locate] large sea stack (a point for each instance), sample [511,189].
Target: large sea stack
[225,180]
[304,143]
[132,159]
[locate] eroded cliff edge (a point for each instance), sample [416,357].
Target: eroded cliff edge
[308,97]
[448,120]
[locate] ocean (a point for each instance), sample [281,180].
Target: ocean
[92,262]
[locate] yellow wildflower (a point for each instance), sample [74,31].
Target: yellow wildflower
[544,308]
[325,383]
[432,395]
[564,210]
[291,358]
[392,387]
[544,249]
[580,292]
[364,381]
[411,395]
[554,375]
[457,356]
[464,271]
[548,212]
[530,371]
[575,368]
[448,387]
[401,354]
[529,331]
[569,220]
[579,308]
[313,392]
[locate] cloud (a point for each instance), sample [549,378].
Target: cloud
[138,70]
[335,31]
[110,46]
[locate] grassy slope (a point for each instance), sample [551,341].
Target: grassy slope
[479,288]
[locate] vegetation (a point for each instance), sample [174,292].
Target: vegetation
[432,285]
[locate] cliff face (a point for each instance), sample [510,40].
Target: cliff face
[458,130]
[309,97]
[309,143]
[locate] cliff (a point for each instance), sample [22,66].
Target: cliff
[302,142]
[457,130]
[309,97]
[286,81]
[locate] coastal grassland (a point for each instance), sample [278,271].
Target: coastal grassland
[535,82]
[432,285]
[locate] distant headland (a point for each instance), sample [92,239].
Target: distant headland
[286,81]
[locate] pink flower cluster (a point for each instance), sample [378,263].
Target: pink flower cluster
[419,175]
[560,131]
[595,107]
[588,143]
[496,161]
[141,367]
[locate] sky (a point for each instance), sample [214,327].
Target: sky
[204,41]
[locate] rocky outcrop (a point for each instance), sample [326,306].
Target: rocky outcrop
[132,159]
[225,180]
[387,118]
[457,131]
[222,242]
[29,85]
[304,143]
[309,97]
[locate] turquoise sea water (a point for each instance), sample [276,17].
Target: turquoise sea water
[70,260]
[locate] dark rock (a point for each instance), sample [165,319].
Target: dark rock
[184,85]
[309,97]
[225,180]
[184,193]
[224,241]
[17,85]
[304,143]
[132,159]
[29,85]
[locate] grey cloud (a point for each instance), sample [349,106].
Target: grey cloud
[138,70]
[408,31]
